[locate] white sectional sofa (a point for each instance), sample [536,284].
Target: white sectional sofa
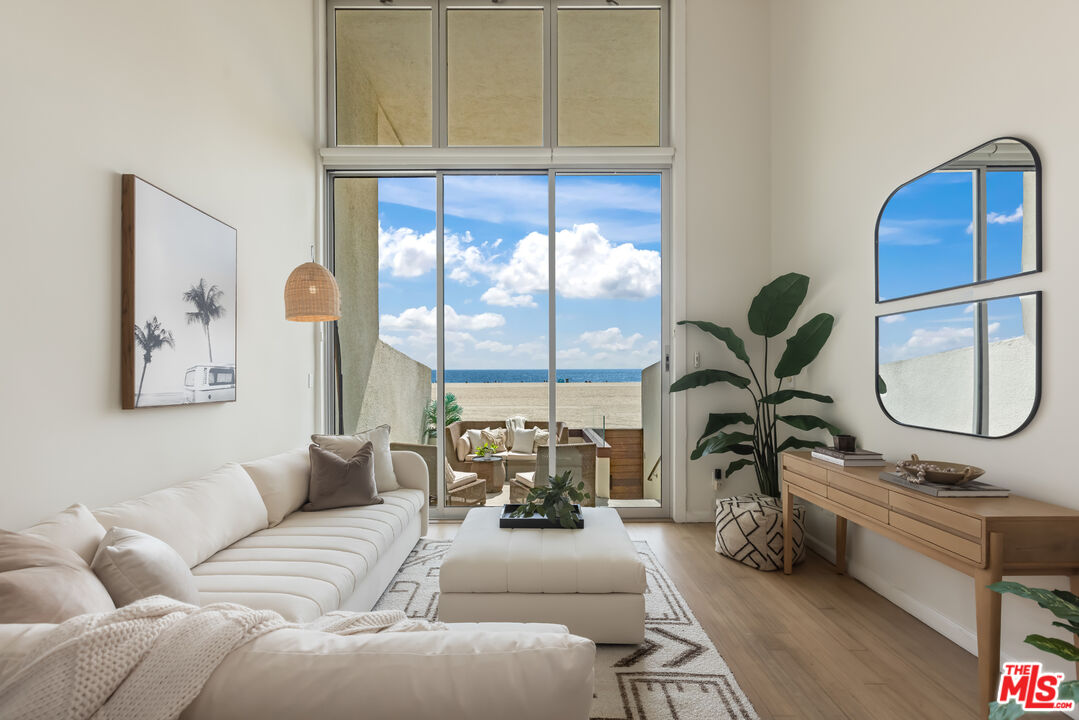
[241,533]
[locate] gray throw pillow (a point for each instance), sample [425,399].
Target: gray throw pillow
[44,583]
[348,445]
[133,565]
[336,482]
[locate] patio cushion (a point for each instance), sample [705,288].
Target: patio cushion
[460,479]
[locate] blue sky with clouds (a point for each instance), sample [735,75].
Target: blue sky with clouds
[926,243]
[608,270]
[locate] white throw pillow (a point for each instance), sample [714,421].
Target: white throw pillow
[524,441]
[475,439]
[133,565]
[75,529]
[346,446]
[463,448]
[542,437]
[517,422]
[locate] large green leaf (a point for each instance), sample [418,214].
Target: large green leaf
[809,422]
[718,421]
[1055,646]
[804,346]
[1068,691]
[1048,599]
[782,396]
[707,377]
[738,465]
[1067,597]
[882,387]
[724,335]
[793,443]
[775,305]
[1070,627]
[724,442]
[1011,711]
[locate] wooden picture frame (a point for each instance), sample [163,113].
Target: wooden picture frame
[177,301]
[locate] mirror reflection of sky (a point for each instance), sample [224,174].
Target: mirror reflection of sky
[496,265]
[940,329]
[925,243]
[925,239]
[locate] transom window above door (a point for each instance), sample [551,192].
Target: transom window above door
[511,73]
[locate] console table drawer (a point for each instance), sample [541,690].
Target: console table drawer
[860,488]
[803,482]
[936,514]
[935,536]
[877,512]
[805,469]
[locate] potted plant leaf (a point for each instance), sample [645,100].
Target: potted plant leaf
[1062,604]
[753,436]
[554,502]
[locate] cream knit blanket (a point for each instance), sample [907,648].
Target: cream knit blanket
[150,659]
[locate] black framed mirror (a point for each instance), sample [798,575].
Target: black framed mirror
[972,368]
[971,220]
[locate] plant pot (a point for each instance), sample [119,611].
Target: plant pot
[749,529]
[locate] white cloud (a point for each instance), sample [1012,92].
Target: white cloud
[588,266]
[609,339]
[500,297]
[423,318]
[409,254]
[996,218]
[924,341]
[493,346]
[889,319]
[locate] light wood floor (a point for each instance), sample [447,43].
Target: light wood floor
[812,645]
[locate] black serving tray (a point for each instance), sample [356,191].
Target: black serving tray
[536,521]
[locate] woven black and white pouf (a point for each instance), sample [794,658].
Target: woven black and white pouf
[749,529]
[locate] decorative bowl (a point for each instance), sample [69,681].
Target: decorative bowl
[937,471]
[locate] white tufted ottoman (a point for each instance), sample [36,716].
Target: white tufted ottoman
[590,580]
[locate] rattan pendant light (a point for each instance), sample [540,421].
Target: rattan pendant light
[311,294]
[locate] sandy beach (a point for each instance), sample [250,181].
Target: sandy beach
[579,404]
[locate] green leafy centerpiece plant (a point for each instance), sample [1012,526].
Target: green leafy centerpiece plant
[1062,604]
[769,315]
[486,450]
[554,501]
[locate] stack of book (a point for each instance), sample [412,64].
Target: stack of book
[971,488]
[849,458]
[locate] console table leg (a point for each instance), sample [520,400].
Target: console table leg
[840,545]
[788,510]
[987,604]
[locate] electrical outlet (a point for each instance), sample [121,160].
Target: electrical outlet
[697,359]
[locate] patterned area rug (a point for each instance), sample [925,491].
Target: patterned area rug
[675,673]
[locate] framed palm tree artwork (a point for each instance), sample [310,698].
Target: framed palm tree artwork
[178,301]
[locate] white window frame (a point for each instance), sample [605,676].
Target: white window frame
[439,160]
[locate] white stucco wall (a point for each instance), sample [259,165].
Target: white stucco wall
[866,95]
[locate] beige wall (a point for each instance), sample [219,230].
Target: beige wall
[722,250]
[213,102]
[866,95]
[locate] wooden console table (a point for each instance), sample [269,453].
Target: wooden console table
[985,538]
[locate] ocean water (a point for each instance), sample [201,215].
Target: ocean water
[534,376]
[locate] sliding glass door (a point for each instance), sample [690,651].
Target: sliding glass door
[456,334]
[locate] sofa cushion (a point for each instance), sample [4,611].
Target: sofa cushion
[198,517]
[75,529]
[311,562]
[133,565]
[518,670]
[41,582]
[348,445]
[281,481]
[336,482]
[460,479]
